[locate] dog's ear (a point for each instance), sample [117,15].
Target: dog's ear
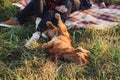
[50,25]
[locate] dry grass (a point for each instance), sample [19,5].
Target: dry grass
[18,63]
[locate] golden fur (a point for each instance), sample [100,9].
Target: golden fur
[60,45]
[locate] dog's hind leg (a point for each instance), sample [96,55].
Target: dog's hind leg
[61,25]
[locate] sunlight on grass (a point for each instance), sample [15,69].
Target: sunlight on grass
[19,63]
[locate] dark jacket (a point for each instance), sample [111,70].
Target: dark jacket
[51,4]
[85,4]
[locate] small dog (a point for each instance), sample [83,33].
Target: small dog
[60,45]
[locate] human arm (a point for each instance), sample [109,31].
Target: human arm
[61,8]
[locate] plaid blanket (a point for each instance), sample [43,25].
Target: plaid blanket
[95,17]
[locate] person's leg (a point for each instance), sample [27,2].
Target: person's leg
[47,16]
[39,7]
[20,4]
[21,17]
[26,12]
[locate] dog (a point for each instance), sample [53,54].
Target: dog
[60,45]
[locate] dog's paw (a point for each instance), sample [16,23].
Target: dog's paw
[44,45]
[80,49]
[57,16]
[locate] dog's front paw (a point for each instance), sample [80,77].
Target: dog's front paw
[57,15]
[44,45]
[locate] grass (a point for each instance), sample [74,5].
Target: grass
[18,63]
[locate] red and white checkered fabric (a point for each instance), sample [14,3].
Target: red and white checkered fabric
[95,17]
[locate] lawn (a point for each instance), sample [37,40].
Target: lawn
[19,63]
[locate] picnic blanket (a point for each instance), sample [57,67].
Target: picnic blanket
[103,18]
[94,17]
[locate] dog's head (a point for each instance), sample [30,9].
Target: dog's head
[52,30]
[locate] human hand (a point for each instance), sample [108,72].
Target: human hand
[61,8]
[102,5]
